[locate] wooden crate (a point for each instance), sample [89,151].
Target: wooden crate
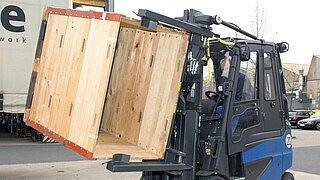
[102,84]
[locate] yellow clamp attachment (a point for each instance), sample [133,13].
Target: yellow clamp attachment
[228,43]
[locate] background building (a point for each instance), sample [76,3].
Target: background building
[313,82]
[295,77]
[302,83]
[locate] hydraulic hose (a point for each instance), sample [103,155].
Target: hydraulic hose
[228,43]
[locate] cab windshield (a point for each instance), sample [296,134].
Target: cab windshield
[216,71]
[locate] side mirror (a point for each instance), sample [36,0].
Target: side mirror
[245,53]
[283,47]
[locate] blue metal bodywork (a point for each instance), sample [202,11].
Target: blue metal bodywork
[279,149]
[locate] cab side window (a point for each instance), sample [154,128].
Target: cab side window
[244,114]
[270,93]
[248,76]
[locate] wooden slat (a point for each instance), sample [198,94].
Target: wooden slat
[126,89]
[53,71]
[56,99]
[49,58]
[93,83]
[178,59]
[111,32]
[158,91]
[163,92]
[129,83]
[75,65]
[139,85]
[68,76]
[118,82]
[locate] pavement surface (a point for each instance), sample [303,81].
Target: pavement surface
[306,154]
[20,158]
[37,154]
[304,176]
[16,150]
[82,170]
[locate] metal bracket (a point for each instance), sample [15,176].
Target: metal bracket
[149,17]
[41,38]
[149,23]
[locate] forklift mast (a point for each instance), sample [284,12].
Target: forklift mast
[233,126]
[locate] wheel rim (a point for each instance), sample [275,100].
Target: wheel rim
[318,126]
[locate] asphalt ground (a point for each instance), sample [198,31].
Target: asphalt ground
[306,151]
[36,154]
[20,158]
[17,150]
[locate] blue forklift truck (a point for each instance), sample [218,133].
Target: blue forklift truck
[234,126]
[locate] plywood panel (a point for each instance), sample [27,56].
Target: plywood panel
[51,71]
[109,145]
[55,95]
[118,82]
[68,77]
[162,133]
[139,85]
[163,92]
[93,83]
[127,116]
[49,60]
[129,83]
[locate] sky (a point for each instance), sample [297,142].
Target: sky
[295,22]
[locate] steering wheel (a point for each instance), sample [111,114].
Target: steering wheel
[209,96]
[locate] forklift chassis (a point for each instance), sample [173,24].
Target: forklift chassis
[202,144]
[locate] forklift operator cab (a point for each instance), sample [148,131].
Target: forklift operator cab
[231,118]
[258,138]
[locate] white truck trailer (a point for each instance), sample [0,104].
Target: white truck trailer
[19,31]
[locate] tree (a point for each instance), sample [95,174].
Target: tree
[259,21]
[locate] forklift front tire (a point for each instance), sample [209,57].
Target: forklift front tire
[287,176]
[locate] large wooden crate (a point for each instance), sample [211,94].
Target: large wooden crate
[102,84]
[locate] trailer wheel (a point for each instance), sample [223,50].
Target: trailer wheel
[287,176]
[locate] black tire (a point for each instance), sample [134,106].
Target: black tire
[287,176]
[318,126]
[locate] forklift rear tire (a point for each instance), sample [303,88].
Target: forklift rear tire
[287,176]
